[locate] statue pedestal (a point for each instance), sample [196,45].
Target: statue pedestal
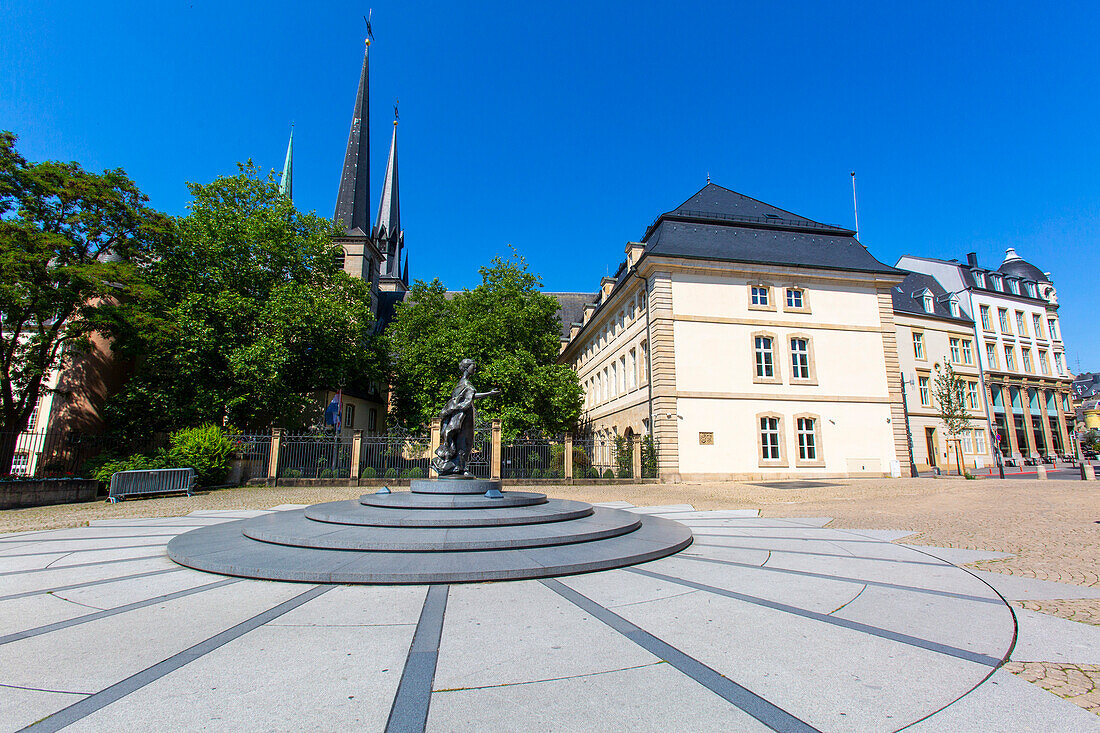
[454,485]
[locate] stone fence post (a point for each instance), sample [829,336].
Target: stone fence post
[437,426]
[495,459]
[636,457]
[273,455]
[567,462]
[356,449]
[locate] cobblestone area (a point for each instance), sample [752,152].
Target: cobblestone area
[1083,610]
[1078,683]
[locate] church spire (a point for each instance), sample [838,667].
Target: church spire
[352,206]
[387,233]
[286,180]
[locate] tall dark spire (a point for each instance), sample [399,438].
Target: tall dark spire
[387,233]
[353,201]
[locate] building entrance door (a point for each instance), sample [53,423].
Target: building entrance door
[930,438]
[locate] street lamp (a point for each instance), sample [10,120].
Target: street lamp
[908,434]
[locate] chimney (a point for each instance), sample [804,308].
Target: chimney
[972,259]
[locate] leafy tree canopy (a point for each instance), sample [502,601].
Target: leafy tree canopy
[74,247]
[255,315]
[512,332]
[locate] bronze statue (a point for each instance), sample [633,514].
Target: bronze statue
[456,435]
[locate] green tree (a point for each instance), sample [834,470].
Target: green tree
[950,393]
[255,316]
[510,329]
[73,249]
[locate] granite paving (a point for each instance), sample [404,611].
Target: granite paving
[762,624]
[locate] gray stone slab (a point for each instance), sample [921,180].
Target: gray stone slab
[273,678]
[223,549]
[664,509]
[1007,704]
[352,512]
[654,697]
[1018,588]
[1045,638]
[297,530]
[615,504]
[886,535]
[408,500]
[802,521]
[959,556]
[68,575]
[453,485]
[288,507]
[19,707]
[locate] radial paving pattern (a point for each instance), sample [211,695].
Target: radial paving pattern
[761,624]
[443,531]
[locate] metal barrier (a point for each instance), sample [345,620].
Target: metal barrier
[157,481]
[315,455]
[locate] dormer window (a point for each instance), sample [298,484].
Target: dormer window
[953,306]
[1030,286]
[979,279]
[927,302]
[996,280]
[1014,286]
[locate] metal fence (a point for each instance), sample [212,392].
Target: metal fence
[254,452]
[62,453]
[315,455]
[395,455]
[532,457]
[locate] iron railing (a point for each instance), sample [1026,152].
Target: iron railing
[315,455]
[395,455]
[65,453]
[254,451]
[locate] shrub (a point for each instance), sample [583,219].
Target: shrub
[369,472]
[536,473]
[205,449]
[581,462]
[136,462]
[292,473]
[390,473]
[553,474]
[624,458]
[404,473]
[608,473]
[325,473]
[416,472]
[592,472]
[649,458]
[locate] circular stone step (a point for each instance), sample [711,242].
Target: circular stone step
[457,485]
[298,530]
[352,512]
[409,500]
[224,549]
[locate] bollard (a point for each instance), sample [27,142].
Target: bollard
[1041,472]
[1087,474]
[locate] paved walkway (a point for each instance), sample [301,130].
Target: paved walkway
[762,624]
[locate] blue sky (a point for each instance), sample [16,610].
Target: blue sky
[563,129]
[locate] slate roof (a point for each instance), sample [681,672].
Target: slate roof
[719,224]
[571,308]
[1018,266]
[906,297]
[387,301]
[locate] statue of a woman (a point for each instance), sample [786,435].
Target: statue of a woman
[456,436]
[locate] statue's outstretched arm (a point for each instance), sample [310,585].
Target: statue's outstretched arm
[491,393]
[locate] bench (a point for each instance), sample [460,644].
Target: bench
[147,483]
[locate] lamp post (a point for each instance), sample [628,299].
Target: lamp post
[908,435]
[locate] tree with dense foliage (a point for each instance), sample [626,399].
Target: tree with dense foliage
[74,246]
[949,390]
[510,329]
[255,316]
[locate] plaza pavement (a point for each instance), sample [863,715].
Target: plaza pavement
[764,623]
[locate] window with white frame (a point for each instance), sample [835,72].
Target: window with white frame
[1030,289]
[967,351]
[643,363]
[759,295]
[807,439]
[926,299]
[956,354]
[1052,327]
[769,438]
[794,298]
[1021,324]
[1026,352]
[632,369]
[918,345]
[925,391]
[800,358]
[953,307]
[622,374]
[987,324]
[1044,361]
[991,355]
[968,442]
[1014,286]
[979,279]
[1058,362]
[1002,314]
[20,464]
[972,395]
[996,280]
[1037,324]
[765,366]
[979,441]
[614,380]
[32,421]
[372,418]
[1010,358]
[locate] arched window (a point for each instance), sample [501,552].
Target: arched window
[339,257]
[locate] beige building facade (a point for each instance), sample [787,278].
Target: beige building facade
[933,331]
[750,343]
